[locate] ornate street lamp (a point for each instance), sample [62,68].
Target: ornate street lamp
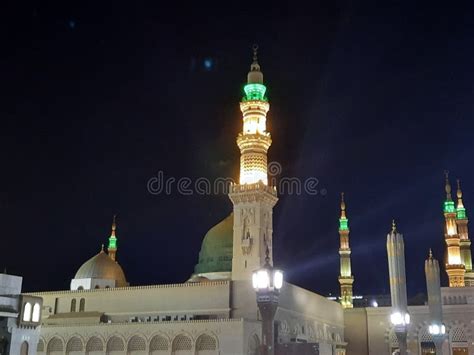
[267,283]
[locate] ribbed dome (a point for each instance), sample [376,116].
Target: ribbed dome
[101,266]
[216,248]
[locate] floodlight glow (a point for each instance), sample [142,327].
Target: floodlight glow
[375,304]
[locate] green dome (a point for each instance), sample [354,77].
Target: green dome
[216,248]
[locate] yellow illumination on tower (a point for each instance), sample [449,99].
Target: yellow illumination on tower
[454,266]
[254,140]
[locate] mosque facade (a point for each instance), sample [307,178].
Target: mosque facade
[215,311]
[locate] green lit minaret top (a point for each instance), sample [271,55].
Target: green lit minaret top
[343,221]
[449,203]
[460,210]
[255,90]
[112,247]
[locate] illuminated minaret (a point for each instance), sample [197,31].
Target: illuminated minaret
[465,243]
[253,198]
[454,267]
[112,247]
[345,278]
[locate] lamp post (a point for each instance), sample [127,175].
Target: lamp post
[267,283]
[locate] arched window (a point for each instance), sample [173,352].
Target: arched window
[36,313]
[27,312]
[115,344]
[136,344]
[55,346]
[80,288]
[205,344]
[96,287]
[181,342]
[24,348]
[74,344]
[158,343]
[82,305]
[40,347]
[94,344]
[73,305]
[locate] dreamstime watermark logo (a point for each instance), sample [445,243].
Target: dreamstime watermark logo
[167,185]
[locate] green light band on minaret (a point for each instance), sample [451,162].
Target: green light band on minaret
[112,243]
[449,207]
[255,91]
[343,224]
[461,213]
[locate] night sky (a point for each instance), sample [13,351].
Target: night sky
[376,101]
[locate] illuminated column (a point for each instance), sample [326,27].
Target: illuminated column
[454,267]
[436,327]
[465,243]
[112,247]
[399,318]
[253,198]
[345,278]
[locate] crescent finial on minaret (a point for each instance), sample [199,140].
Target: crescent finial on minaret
[431,254]
[394,226]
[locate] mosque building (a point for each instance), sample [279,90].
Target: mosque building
[215,311]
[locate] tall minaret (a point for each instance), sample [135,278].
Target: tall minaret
[454,267]
[465,243]
[398,288]
[253,198]
[112,247]
[437,328]
[345,278]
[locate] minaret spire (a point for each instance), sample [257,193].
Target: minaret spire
[345,278]
[454,266]
[253,198]
[463,232]
[112,247]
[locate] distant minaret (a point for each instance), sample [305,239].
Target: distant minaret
[454,267]
[112,247]
[253,198]
[345,278]
[433,287]
[398,289]
[465,243]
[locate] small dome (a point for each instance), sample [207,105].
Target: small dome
[216,248]
[101,266]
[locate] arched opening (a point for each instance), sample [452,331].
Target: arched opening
[55,347]
[459,344]
[94,346]
[36,313]
[40,346]
[73,305]
[136,345]
[425,340]
[115,345]
[74,346]
[159,345]
[27,312]
[24,348]
[82,305]
[182,345]
[206,345]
